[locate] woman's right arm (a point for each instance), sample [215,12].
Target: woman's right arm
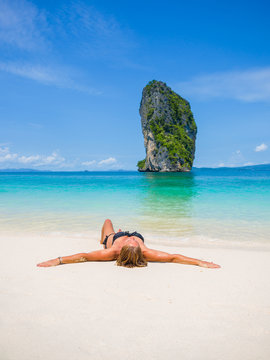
[99,255]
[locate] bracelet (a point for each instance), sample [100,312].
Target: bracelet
[60,260]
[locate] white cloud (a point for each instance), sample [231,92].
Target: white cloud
[4,150]
[53,159]
[108,161]
[46,75]
[28,159]
[236,159]
[85,31]
[35,160]
[247,85]
[35,125]
[89,163]
[25,29]
[261,147]
[106,38]
[34,72]
[22,25]
[8,157]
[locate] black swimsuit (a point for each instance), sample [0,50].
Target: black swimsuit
[119,234]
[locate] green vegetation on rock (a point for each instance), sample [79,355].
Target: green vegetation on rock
[175,139]
[141,164]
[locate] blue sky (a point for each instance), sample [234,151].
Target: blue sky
[72,73]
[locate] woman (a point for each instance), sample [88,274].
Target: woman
[128,249]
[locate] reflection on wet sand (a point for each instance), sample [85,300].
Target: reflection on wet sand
[167,206]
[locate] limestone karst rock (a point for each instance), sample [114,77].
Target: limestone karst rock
[169,130]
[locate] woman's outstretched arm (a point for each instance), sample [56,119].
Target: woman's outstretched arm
[160,256]
[99,255]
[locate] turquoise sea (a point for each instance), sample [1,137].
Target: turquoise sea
[205,206]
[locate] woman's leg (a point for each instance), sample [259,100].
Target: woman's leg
[107,229]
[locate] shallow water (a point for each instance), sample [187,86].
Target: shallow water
[205,205]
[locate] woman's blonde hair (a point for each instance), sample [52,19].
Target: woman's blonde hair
[131,256]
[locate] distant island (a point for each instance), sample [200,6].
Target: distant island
[21,170]
[169,130]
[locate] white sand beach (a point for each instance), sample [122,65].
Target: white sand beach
[100,311]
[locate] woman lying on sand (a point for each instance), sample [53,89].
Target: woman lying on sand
[127,249]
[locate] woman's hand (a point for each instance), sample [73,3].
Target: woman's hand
[207,264]
[53,262]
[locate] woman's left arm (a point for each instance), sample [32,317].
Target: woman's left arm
[160,256]
[99,255]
